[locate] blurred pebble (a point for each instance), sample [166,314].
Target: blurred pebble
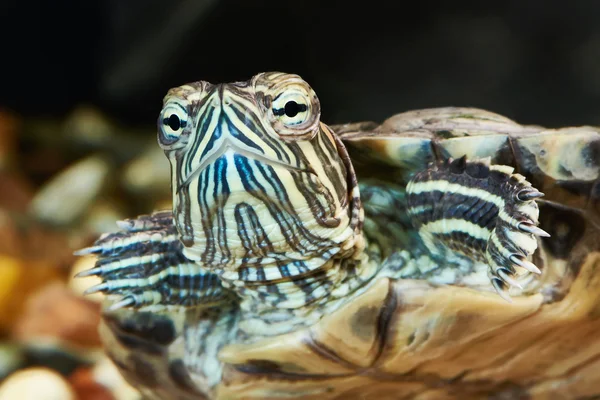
[149,173]
[16,191]
[88,125]
[10,271]
[79,285]
[88,129]
[57,313]
[69,194]
[43,150]
[106,374]
[36,384]
[83,383]
[102,218]
[20,278]
[26,239]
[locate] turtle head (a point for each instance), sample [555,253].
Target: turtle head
[257,180]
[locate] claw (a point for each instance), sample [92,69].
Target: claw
[527,227]
[124,302]
[529,194]
[499,286]
[504,274]
[86,251]
[89,272]
[523,263]
[102,287]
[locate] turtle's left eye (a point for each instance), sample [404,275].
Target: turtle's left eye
[292,108]
[290,105]
[171,123]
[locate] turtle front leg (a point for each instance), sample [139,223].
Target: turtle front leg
[481,211]
[143,265]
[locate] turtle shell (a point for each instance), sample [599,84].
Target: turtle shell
[408,338]
[411,339]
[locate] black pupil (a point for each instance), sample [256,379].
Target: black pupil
[292,108]
[173,122]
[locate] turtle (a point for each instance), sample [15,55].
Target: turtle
[446,253]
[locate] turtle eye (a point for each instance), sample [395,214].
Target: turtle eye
[172,122]
[289,104]
[292,108]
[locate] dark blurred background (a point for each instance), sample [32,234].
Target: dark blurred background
[536,61]
[82,82]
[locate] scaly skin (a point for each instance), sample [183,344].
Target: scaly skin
[276,235]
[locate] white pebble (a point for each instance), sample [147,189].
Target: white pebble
[68,195]
[36,384]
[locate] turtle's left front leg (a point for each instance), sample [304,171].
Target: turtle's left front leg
[481,211]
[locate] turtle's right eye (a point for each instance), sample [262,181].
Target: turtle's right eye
[172,122]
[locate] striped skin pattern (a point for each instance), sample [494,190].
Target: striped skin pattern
[168,354]
[264,194]
[480,211]
[411,335]
[143,265]
[267,208]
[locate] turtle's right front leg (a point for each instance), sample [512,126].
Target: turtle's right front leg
[144,265]
[481,211]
